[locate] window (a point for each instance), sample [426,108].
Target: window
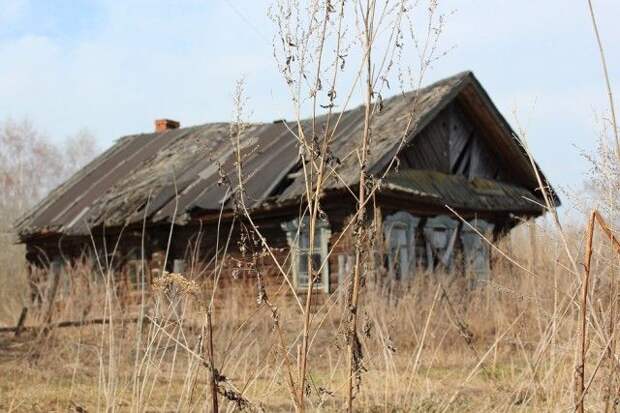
[398,256]
[135,272]
[476,251]
[178,266]
[399,233]
[135,269]
[440,234]
[298,236]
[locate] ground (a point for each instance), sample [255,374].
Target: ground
[422,351]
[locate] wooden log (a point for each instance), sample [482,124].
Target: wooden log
[102,321]
[70,323]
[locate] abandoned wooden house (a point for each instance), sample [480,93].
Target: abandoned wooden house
[459,152]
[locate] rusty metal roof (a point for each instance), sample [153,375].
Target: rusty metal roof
[140,176]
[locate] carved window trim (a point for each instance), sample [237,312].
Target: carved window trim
[298,235]
[476,251]
[440,234]
[407,223]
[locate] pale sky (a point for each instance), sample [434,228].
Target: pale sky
[114,66]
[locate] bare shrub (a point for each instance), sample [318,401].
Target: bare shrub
[31,165]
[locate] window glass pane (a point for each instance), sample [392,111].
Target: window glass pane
[316,261]
[317,240]
[300,246]
[303,268]
[136,276]
[399,252]
[403,256]
[304,237]
[440,238]
[303,263]
[302,279]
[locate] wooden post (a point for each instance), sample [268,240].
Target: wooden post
[51,296]
[21,321]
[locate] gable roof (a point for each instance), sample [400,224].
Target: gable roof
[141,174]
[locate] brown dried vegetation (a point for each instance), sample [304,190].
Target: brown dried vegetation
[540,336]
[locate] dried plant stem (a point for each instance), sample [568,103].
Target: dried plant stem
[353,342]
[613,303]
[607,81]
[611,349]
[480,362]
[580,370]
[603,225]
[213,373]
[595,218]
[239,192]
[314,203]
[615,244]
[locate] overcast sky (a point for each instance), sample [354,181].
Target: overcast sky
[114,66]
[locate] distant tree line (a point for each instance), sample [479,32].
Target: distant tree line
[32,164]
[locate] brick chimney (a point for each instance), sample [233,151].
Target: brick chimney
[163,125]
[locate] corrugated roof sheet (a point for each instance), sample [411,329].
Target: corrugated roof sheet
[152,168]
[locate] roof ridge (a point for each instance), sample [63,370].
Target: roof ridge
[457,76]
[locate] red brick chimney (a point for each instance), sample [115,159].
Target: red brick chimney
[163,125]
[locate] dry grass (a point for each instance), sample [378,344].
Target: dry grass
[505,347]
[430,345]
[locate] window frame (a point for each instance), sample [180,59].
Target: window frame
[476,251]
[441,254]
[401,220]
[296,229]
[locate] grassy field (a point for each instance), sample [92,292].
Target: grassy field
[435,346]
[540,336]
